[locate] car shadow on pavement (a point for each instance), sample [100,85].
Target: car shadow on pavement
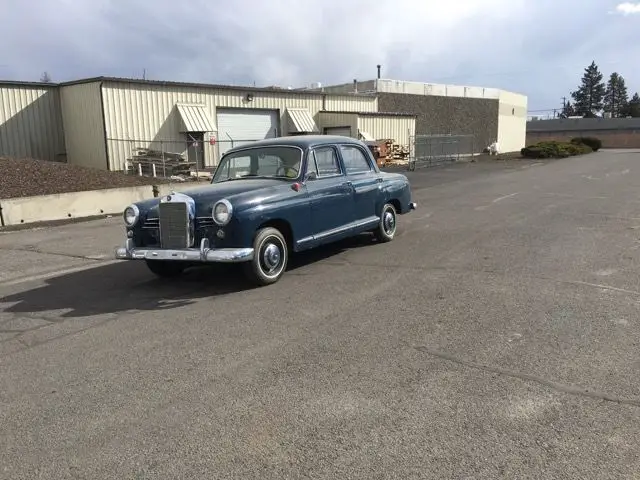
[130,286]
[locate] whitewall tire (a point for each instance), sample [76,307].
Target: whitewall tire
[270,258]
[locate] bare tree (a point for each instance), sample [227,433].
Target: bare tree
[45,78]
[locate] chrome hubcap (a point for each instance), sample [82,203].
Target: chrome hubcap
[271,256]
[389,222]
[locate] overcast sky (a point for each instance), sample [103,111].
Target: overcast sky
[535,47]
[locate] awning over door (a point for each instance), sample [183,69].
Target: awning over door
[366,136]
[301,121]
[195,118]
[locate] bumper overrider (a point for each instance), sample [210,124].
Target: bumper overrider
[204,254]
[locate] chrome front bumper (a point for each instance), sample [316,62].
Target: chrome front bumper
[203,254]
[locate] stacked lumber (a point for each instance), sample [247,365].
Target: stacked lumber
[393,152]
[166,163]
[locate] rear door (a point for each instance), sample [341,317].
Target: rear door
[366,183]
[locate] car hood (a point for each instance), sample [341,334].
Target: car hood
[207,195]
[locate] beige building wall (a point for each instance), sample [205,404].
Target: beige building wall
[144,115]
[383,127]
[512,121]
[83,125]
[31,122]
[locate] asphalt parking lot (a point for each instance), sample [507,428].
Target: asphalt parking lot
[496,337]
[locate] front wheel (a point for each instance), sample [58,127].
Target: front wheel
[270,257]
[166,269]
[387,227]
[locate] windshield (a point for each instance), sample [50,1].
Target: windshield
[260,162]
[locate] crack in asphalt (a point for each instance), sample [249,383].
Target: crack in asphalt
[560,387]
[42,252]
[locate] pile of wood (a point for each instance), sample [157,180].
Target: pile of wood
[393,153]
[166,164]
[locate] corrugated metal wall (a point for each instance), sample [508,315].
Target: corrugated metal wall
[333,119]
[512,121]
[139,115]
[400,129]
[83,125]
[31,122]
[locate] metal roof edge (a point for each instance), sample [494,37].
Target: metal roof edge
[373,114]
[243,88]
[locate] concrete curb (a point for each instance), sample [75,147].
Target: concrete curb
[66,206]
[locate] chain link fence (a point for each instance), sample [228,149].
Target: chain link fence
[437,149]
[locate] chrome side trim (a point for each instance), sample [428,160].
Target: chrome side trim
[365,222]
[203,254]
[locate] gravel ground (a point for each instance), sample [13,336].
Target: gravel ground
[27,177]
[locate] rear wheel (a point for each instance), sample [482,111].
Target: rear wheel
[270,257]
[387,227]
[166,269]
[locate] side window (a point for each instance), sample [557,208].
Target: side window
[311,163]
[326,161]
[354,160]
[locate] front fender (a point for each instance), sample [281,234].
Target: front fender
[293,209]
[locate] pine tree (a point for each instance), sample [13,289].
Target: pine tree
[633,107]
[588,99]
[616,96]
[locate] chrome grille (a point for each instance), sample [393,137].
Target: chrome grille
[151,223]
[205,222]
[174,225]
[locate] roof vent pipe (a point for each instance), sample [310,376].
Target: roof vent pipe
[355,85]
[378,71]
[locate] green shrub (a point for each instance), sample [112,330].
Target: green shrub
[593,142]
[553,149]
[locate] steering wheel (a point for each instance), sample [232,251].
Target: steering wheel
[289,172]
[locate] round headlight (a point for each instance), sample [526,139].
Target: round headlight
[222,211]
[131,215]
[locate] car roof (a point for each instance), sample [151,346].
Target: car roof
[301,141]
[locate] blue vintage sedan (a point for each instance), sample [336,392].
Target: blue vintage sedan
[266,200]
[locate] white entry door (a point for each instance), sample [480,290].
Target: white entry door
[342,131]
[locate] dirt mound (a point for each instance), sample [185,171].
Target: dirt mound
[26,177]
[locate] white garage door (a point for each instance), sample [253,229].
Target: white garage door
[237,127]
[343,131]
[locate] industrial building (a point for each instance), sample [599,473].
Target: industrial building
[487,114]
[104,122]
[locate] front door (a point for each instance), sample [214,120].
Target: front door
[330,196]
[195,149]
[366,184]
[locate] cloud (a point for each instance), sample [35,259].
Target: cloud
[537,47]
[628,8]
